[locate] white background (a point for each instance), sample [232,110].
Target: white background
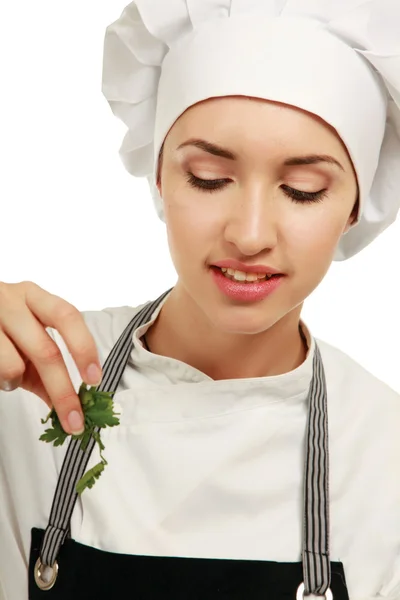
[76,223]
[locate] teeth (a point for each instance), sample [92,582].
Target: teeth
[241,276]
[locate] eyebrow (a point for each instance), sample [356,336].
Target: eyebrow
[311,159]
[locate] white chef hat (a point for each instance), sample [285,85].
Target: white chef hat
[338,59]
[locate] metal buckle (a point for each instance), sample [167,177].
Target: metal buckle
[45,585]
[300,594]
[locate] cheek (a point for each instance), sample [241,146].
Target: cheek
[311,238]
[314,234]
[191,227]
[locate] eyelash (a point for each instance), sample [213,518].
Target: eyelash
[213,185]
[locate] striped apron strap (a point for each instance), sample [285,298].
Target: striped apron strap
[316,559]
[76,460]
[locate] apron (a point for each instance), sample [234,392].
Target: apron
[79,571]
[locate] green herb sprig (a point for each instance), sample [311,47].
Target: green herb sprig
[98,411]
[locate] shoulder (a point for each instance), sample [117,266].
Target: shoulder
[360,403]
[105,325]
[112,319]
[364,443]
[344,372]
[108,324]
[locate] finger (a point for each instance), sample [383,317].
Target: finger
[32,382]
[12,376]
[12,367]
[53,311]
[22,327]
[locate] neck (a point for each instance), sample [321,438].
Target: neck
[182,331]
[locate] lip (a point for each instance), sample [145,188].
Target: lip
[230,263]
[245,292]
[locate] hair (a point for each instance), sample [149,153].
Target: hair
[159,169]
[160,161]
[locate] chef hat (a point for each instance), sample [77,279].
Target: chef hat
[338,59]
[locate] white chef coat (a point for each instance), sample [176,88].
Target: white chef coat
[204,468]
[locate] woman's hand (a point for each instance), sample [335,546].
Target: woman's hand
[30,359]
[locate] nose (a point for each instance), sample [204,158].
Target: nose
[252,221]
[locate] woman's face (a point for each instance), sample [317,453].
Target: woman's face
[251,216]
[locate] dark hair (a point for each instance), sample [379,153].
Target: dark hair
[160,159]
[356,205]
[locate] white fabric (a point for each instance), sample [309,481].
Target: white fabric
[206,468]
[338,59]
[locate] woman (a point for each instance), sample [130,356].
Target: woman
[225,477]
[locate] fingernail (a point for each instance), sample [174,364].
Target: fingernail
[8,386]
[75,422]
[93,375]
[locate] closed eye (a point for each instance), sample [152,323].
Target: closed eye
[300,196]
[213,185]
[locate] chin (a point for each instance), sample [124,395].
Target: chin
[239,320]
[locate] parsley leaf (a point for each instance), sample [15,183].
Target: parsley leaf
[89,479]
[98,412]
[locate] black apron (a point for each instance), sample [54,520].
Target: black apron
[79,571]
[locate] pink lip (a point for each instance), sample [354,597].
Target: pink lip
[230,263]
[245,292]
